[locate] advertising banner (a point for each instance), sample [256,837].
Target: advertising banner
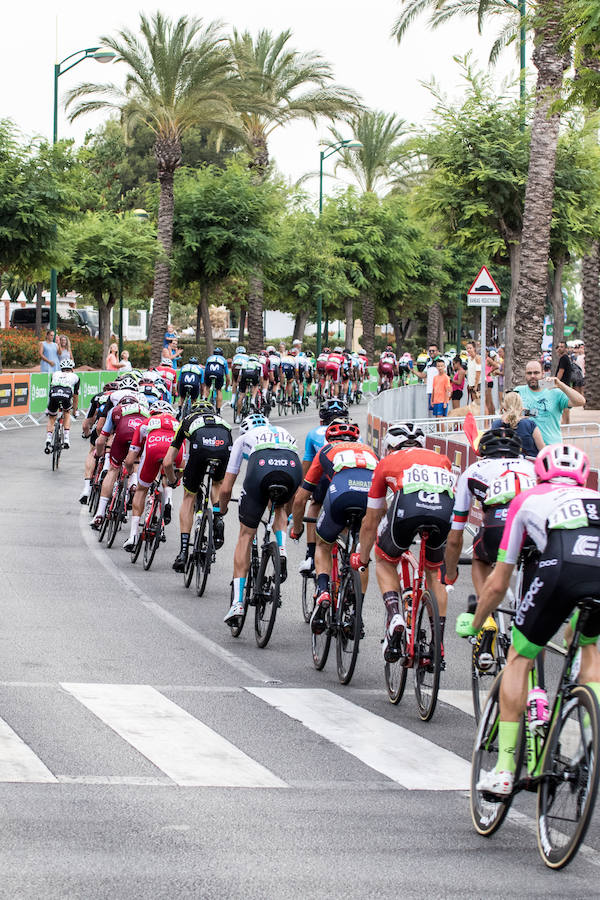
[6,395]
[39,382]
[89,385]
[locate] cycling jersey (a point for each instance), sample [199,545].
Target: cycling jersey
[332,458]
[168,375]
[313,442]
[262,437]
[154,438]
[348,469]
[411,470]
[334,364]
[322,361]
[66,379]
[123,420]
[288,366]
[475,483]
[190,381]
[60,395]
[210,440]
[250,373]
[216,367]
[238,363]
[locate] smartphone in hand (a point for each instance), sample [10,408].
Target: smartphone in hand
[547,383]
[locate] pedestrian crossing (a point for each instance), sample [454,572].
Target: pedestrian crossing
[185,751]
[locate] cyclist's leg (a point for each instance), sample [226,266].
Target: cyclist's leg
[192,477]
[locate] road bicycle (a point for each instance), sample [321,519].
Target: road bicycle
[343,619]
[420,642]
[186,407]
[202,552]
[58,438]
[282,402]
[96,485]
[212,392]
[295,402]
[153,529]
[561,760]
[263,582]
[116,512]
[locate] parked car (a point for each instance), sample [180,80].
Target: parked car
[24,317]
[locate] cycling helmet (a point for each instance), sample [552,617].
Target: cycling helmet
[337,350]
[193,361]
[126,381]
[135,373]
[562,461]
[161,406]
[149,393]
[271,349]
[128,398]
[499,442]
[203,406]
[339,430]
[67,364]
[218,351]
[362,352]
[422,362]
[110,386]
[331,409]
[297,343]
[240,349]
[401,435]
[254,420]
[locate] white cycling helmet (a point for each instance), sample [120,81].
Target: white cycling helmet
[127,382]
[402,434]
[161,406]
[254,420]
[240,349]
[67,364]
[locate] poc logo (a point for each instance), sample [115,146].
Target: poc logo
[547,562]
[587,545]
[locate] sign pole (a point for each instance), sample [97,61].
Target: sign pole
[483,355]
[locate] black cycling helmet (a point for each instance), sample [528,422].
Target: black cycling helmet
[218,351]
[331,409]
[499,442]
[193,361]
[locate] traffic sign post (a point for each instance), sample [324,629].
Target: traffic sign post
[483,292]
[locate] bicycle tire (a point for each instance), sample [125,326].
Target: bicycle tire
[188,572]
[236,630]
[396,673]
[428,655]
[138,546]
[309,589]
[320,643]
[349,626]
[573,779]
[94,498]
[267,595]
[152,537]
[280,403]
[205,551]
[103,527]
[116,516]
[488,813]
[56,446]
[481,681]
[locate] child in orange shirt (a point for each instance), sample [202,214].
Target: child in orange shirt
[441,391]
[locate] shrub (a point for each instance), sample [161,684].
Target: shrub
[139,353]
[19,348]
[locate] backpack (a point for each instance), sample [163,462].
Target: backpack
[576,374]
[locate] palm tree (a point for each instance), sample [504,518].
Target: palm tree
[375,163]
[176,79]
[276,84]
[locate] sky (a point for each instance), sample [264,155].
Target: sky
[353,36]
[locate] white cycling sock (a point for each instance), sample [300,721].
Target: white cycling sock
[133,478]
[167,494]
[102,506]
[87,487]
[135,527]
[66,434]
[280,537]
[106,463]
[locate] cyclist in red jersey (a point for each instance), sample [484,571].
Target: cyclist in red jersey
[333,368]
[422,482]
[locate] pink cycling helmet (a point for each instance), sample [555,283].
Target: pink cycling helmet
[562,461]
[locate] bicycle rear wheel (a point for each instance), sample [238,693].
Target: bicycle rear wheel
[188,572]
[267,594]
[349,626]
[428,655]
[56,446]
[280,402]
[488,812]
[396,673]
[117,513]
[236,630]
[309,590]
[483,679]
[153,534]
[567,792]
[320,643]
[138,546]
[205,551]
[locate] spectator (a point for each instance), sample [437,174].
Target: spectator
[512,414]
[49,358]
[458,382]
[112,360]
[491,369]
[546,398]
[564,373]
[170,334]
[578,370]
[441,389]
[473,371]
[500,361]
[124,364]
[175,353]
[430,372]
[64,347]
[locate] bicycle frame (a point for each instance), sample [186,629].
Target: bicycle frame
[410,566]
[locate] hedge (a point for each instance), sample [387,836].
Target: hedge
[20,348]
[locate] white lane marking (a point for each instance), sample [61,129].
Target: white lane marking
[128,780]
[168,618]
[18,762]
[181,746]
[407,758]
[462,700]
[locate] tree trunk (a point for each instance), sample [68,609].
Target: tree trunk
[255,311]
[514,255]
[539,193]
[168,156]
[590,282]
[206,323]
[558,307]
[242,328]
[368,323]
[104,310]
[396,322]
[199,329]
[434,324]
[300,325]
[349,316]
[38,310]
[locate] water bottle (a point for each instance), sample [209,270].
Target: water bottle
[538,711]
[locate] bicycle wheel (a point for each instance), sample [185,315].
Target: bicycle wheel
[105,523]
[488,812]
[396,673]
[116,516]
[56,446]
[188,572]
[280,402]
[138,546]
[309,590]
[482,679]
[428,655]
[567,792]
[206,549]
[320,643]
[153,534]
[236,630]
[267,594]
[349,626]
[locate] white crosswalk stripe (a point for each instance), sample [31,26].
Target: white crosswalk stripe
[405,757]
[18,762]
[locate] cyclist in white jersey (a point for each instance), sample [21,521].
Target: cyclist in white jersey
[64,384]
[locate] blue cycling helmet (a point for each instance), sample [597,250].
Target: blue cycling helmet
[218,351]
[193,361]
[254,420]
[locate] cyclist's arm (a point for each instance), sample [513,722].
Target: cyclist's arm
[169,462]
[368,530]
[454,547]
[300,500]
[225,491]
[492,595]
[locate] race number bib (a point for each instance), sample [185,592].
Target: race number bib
[570,514]
[428,478]
[504,489]
[130,409]
[353,459]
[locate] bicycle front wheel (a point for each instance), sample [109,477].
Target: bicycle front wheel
[320,643]
[116,516]
[205,551]
[188,572]
[267,594]
[349,626]
[56,446]
[153,535]
[567,791]
[428,655]
[488,812]
[396,672]
[309,591]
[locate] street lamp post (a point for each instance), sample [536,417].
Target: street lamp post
[101,56]
[324,154]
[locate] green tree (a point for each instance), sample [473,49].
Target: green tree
[176,79]
[274,85]
[224,227]
[374,165]
[109,255]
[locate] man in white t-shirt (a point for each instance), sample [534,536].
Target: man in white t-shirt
[429,372]
[473,371]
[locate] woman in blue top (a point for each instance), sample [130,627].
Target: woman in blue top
[512,415]
[49,358]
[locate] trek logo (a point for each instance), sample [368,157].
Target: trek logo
[587,545]
[212,442]
[528,600]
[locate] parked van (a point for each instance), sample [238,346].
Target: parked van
[24,317]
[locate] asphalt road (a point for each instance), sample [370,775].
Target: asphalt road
[146,753]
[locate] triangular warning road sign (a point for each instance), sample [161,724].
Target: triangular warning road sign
[484,285]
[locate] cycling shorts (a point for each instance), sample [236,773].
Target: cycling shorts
[155,449]
[214,370]
[349,489]
[567,571]
[385,369]
[248,376]
[266,468]
[288,370]
[60,397]
[408,513]
[189,385]
[122,439]
[207,443]
[487,542]
[235,373]
[321,367]
[334,371]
